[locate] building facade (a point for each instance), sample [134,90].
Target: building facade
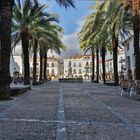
[129,55]
[16,66]
[55,67]
[81,66]
[78,66]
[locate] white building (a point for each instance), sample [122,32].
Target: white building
[16,63]
[81,66]
[129,54]
[78,66]
[55,67]
[109,64]
[16,66]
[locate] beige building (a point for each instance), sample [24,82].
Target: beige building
[81,66]
[78,66]
[54,67]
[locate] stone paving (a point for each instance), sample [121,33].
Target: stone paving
[66,111]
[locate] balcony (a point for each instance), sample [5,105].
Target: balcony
[88,66]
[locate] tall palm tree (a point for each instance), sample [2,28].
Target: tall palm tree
[5,15]
[97,65]
[43,32]
[136,30]
[103,54]
[41,60]
[24,18]
[5,43]
[114,16]
[134,6]
[91,34]
[35,47]
[28,20]
[93,64]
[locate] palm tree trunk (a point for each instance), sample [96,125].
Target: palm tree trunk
[115,58]
[41,64]
[103,63]
[136,28]
[97,65]
[5,47]
[93,65]
[35,61]
[45,64]
[25,47]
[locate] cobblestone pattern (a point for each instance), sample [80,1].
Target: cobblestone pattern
[84,111]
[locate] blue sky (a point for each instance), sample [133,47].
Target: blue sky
[70,21]
[69,17]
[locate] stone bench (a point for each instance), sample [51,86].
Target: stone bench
[18,89]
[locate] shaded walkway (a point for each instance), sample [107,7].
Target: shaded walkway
[84,111]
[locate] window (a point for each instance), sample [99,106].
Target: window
[48,72]
[52,71]
[80,64]
[128,62]
[47,64]
[86,70]
[80,71]
[127,46]
[74,71]
[52,64]
[74,64]
[89,70]
[87,63]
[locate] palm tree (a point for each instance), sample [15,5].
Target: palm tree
[5,43]
[136,29]
[41,61]
[5,15]
[35,47]
[97,65]
[53,43]
[134,7]
[103,54]
[91,34]
[44,31]
[93,64]
[27,22]
[113,24]
[23,26]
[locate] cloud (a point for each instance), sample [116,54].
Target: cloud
[71,41]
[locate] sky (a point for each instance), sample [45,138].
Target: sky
[70,20]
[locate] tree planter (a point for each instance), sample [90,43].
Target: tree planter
[71,80]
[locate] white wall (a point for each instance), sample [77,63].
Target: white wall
[16,65]
[129,52]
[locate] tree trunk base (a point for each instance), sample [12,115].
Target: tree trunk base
[5,93]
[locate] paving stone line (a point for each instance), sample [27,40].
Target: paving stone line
[16,103]
[70,122]
[61,127]
[112,110]
[124,120]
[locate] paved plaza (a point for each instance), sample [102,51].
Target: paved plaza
[65,111]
